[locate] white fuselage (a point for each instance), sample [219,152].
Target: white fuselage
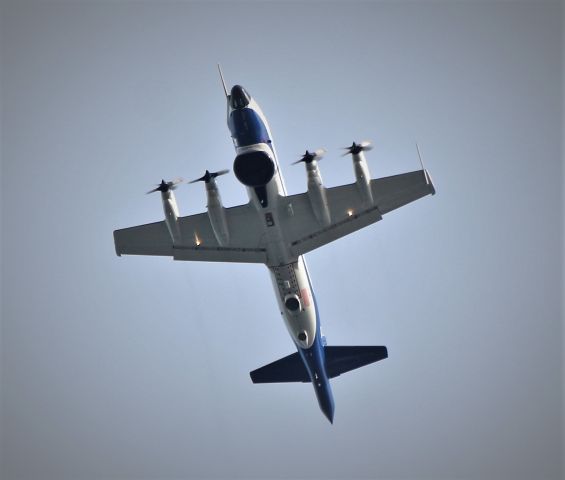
[289,274]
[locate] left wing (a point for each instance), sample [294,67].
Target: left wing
[347,211]
[198,242]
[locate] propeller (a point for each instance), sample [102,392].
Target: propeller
[309,156]
[209,176]
[356,148]
[166,186]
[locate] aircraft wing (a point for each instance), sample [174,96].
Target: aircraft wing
[347,212]
[198,242]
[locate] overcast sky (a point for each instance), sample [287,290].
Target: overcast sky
[138,367]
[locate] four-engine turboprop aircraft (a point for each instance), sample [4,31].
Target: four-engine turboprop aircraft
[277,229]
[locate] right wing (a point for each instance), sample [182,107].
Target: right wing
[348,213]
[198,242]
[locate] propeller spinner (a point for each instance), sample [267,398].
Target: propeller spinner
[209,176]
[308,157]
[357,148]
[166,186]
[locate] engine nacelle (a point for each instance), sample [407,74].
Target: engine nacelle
[254,167]
[363,178]
[317,194]
[216,213]
[171,211]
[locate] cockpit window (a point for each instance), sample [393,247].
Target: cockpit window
[239,98]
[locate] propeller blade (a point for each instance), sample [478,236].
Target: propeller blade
[201,179]
[320,152]
[309,156]
[174,183]
[221,172]
[209,176]
[166,186]
[356,148]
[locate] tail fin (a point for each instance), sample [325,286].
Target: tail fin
[338,360]
[287,369]
[344,359]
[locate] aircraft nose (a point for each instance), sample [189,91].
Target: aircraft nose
[239,98]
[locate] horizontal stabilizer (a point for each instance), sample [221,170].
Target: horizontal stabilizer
[344,359]
[287,369]
[338,360]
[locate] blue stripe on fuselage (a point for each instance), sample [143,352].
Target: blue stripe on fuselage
[315,363]
[247,128]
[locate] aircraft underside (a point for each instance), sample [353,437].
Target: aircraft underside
[277,229]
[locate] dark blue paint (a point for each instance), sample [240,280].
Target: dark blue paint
[247,128]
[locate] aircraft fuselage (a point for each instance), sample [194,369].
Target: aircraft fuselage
[256,166]
[276,229]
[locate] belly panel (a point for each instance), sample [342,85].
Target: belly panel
[295,301]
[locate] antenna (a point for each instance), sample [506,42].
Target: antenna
[420,156]
[223,81]
[426,174]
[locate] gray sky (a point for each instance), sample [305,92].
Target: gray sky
[138,367]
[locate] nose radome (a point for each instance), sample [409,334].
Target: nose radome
[239,97]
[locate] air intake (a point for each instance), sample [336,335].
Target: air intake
[254,169]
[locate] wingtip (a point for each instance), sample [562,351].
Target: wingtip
[115,235]
[430,182]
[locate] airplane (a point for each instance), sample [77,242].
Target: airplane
[277,229]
